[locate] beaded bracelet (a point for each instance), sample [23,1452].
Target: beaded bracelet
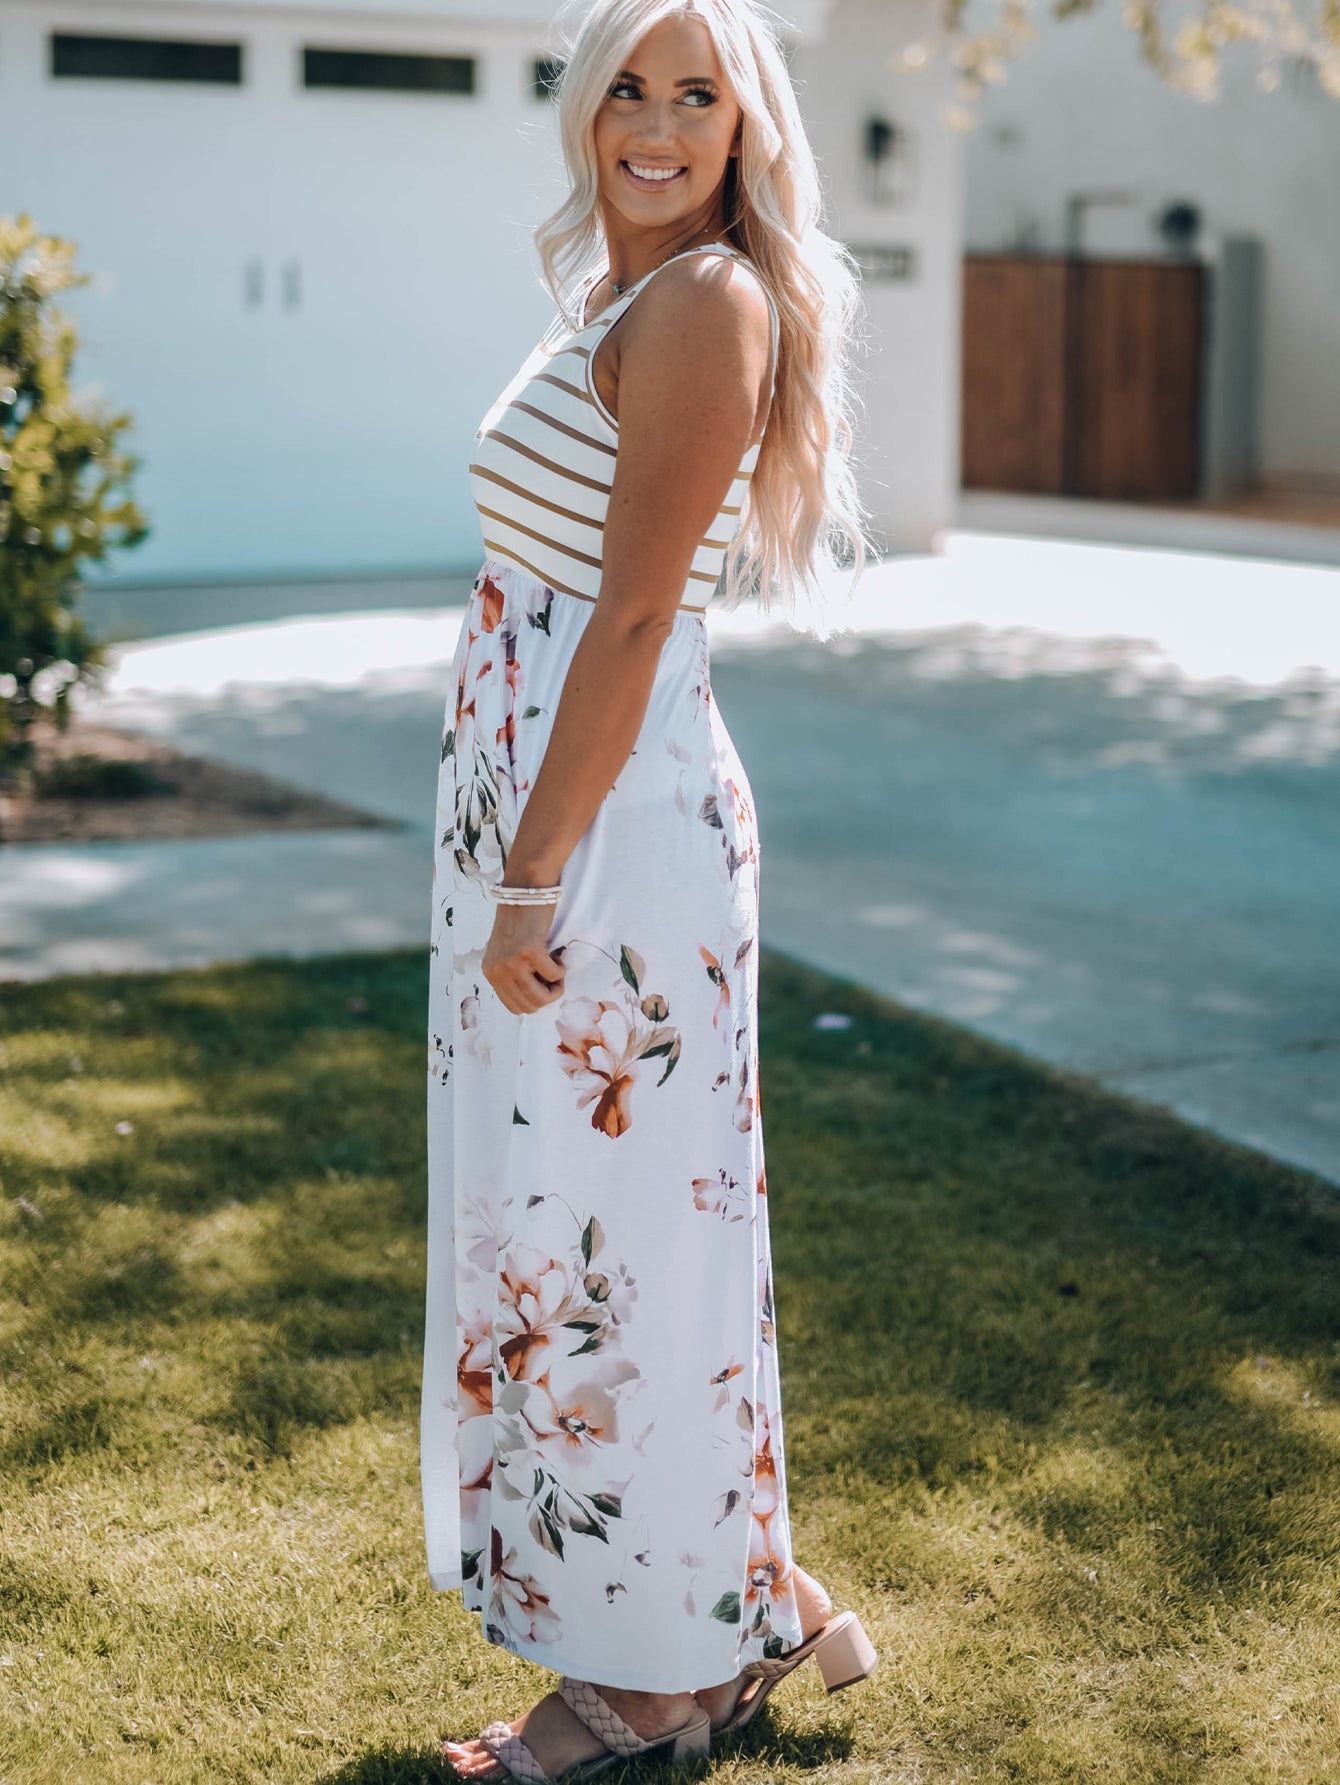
[525,895]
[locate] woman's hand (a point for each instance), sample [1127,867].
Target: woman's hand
[517,962]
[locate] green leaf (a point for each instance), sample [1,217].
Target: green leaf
[588,1240]
[727,1608]
[672,1061]
[626,967]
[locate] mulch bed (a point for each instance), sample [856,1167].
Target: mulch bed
[194,797]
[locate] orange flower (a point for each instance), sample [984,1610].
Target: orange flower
[580,1419]
[474,1369]
[600,1046]
[517,1602]
[492,600]
[534,1306]
[507,730]
[719,980]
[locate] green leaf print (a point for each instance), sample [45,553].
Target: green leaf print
[545,1529]
[671,1050]
[518,1120]
[470,1563]
[727,1608]
[593,1238]
[772,1648]
[626,966]
[448,744]
[531,712]
[610,1504]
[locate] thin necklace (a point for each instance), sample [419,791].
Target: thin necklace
[619,290]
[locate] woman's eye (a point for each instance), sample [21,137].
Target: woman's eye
[691,93]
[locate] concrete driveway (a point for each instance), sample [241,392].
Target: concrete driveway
[1084,799]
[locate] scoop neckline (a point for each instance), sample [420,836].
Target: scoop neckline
[590,285]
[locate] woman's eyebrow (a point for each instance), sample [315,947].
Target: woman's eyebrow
[693,80]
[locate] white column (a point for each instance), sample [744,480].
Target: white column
[909,381]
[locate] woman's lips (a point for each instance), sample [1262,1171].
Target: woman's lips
[651,185]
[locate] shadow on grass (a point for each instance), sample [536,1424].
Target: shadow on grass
[983,1265]
[763,1741]
[390,1764]
[985,1269]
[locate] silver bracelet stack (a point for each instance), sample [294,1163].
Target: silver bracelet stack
[525,895]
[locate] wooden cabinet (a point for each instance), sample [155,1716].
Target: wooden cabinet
[1082,377]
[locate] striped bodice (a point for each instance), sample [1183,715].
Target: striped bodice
[544,457]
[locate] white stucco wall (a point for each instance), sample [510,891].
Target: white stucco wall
[331,435]
[1080,111]
[909,380]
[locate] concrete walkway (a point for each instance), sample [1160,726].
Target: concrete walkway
[1084,799]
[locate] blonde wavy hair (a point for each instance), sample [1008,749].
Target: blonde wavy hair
[803,509]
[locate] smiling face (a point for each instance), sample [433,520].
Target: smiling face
[664,136]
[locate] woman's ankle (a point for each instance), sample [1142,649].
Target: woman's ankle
[648,1711]
[813,1601]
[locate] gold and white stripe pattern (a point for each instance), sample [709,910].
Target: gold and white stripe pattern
[543,461]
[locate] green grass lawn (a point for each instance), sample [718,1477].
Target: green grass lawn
[1059,1381]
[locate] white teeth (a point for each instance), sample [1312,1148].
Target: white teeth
[655,173]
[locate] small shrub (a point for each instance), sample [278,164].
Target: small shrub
[88,777]
[64,492]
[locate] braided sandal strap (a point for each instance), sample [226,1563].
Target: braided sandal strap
[773,1669]
[510,1751]
[776,1667]
[601,1718]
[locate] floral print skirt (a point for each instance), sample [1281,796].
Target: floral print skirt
[602,1459]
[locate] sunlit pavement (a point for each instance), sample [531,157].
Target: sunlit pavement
[1082,798]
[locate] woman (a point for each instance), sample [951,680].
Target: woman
[603,1468]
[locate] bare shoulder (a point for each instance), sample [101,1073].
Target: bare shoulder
[716,303]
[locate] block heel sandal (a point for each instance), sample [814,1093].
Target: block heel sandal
[845,1655]
[692,1739]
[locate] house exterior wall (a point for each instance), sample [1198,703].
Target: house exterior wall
[307,299]
[1081,112]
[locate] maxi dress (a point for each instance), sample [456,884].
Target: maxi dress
[602,1459]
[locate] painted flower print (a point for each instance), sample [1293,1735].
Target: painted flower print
[603,1465]
[606,1044]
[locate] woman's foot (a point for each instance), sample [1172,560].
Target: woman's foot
[558,1738]
[815,1608]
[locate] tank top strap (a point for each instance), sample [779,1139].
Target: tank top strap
[613,311]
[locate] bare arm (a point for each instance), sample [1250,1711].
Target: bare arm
[690,377]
